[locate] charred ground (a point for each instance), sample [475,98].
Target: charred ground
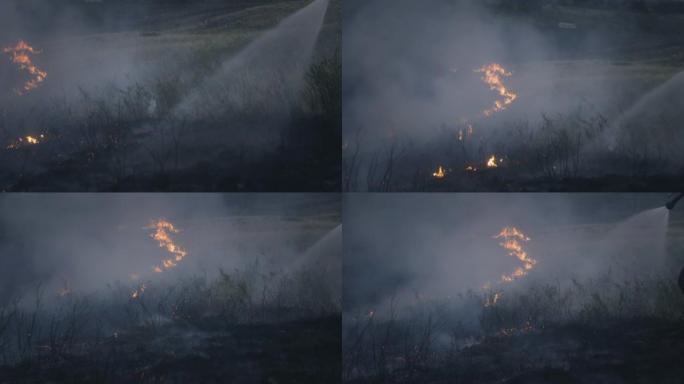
[195,332]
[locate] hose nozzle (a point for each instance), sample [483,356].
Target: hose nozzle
[674,200]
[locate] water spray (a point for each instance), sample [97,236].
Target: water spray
[674,199]
[274,64]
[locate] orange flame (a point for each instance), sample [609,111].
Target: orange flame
[162,234]
[440,173]
[20,56]
[512,241]
[493,76]
[30,140]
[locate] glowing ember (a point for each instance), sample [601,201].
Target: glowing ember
[493,76]
[512,241]
[21,56]
[26,140]
[492,299]
[526,328]
[138,292]
[65,290]
[440,173]
[162,234]
[470,168]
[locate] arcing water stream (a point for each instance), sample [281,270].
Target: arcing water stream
[270,68]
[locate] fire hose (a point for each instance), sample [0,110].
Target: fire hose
[670,205]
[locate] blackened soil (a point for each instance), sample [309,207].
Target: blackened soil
[490,182]
[641,351]
[294,352]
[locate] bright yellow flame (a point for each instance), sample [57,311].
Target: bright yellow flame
[162,234]
[491,163]
[20,56]
[440,173]
[493,76]
[512,241]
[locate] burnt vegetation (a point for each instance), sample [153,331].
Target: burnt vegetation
[243,326]
[606,329]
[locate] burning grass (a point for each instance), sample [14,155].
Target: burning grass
[512,239]
[493,75]
[163,230]
[560,152]
[125,140]
[21,56]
